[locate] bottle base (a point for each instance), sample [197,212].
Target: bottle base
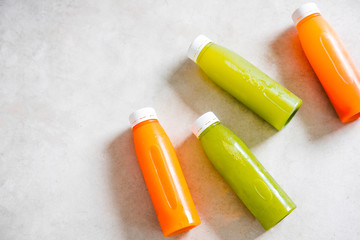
[350,118]
[268,227]
[296,108]
[181,230]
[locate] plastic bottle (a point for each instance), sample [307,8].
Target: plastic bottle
[263,95]
[242,171]
[330,61]
[163,176]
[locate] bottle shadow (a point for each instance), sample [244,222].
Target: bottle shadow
[217,204]
[131,199]
[297,75]
[202,95]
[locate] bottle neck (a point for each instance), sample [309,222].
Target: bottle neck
[208,129]
[203,51]
[307,18]
[144,123]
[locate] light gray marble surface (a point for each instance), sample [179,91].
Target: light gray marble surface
[72,72]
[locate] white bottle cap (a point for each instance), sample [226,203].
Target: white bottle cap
[142,115]
[303,11]
[196,46]
[203,122]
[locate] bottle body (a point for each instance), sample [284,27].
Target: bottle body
[163,176]
[265,199]
[263,95]
[332,65]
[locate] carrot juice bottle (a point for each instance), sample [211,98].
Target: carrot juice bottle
[330,61]
[163,176]
[248,84]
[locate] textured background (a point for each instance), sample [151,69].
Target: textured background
[72,71]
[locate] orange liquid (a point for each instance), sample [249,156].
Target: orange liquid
[165,181]
[332,64]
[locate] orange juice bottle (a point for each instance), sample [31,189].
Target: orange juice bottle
[330,61]
[164,179]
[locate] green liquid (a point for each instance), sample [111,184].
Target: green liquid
[249,85]
[247,177]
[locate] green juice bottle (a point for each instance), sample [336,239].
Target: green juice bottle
[265,199]
[263,95]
